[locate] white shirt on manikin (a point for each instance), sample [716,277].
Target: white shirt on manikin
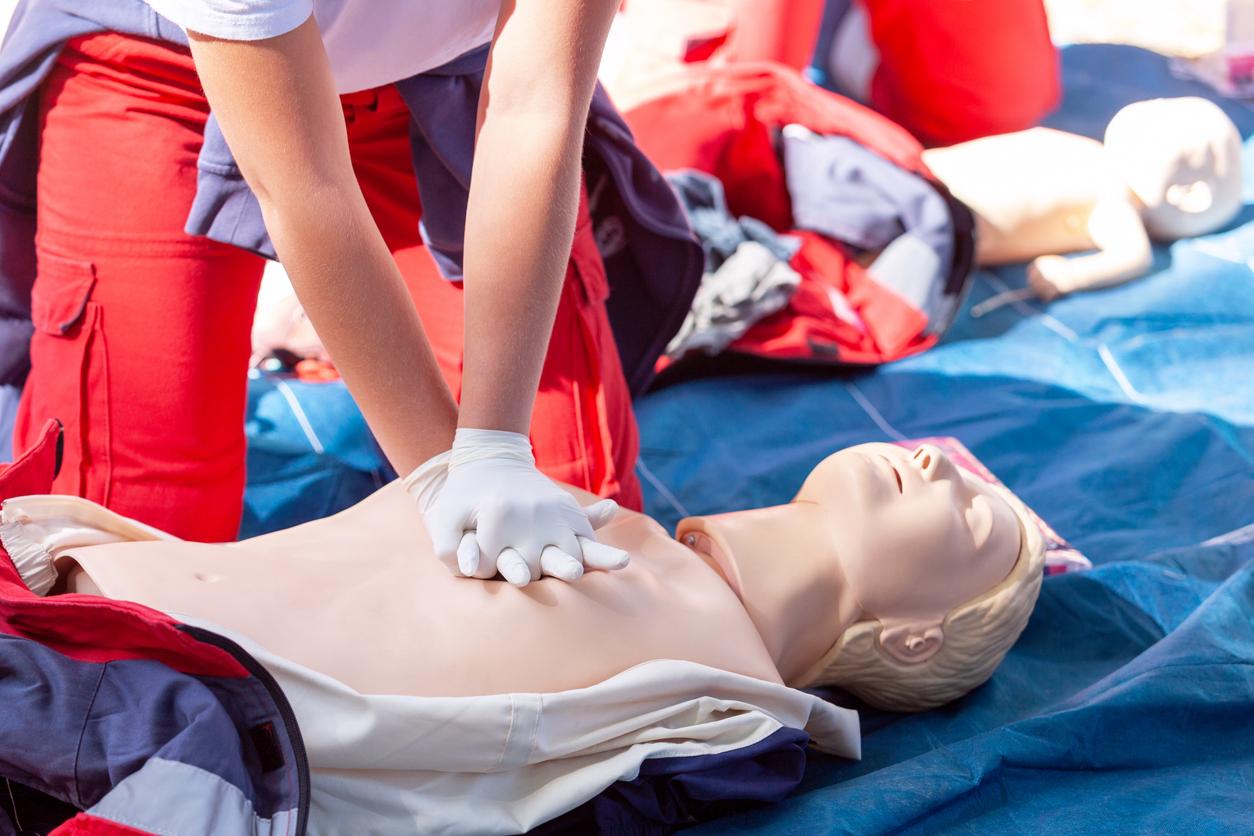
[505,763]
[369,42]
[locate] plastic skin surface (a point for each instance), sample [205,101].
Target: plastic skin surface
[361,597]
[875,532]
[1169,168]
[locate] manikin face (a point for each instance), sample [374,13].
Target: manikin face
[916,535]
[1181,158]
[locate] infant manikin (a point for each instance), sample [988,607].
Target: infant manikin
[882,549]
[1169,169]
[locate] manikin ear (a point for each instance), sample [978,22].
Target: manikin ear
[913,642]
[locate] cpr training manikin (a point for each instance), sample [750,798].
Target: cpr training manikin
[431,702]
[1169,168]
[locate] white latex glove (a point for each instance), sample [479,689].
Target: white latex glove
[489,510]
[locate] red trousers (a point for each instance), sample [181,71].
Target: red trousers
[142,332]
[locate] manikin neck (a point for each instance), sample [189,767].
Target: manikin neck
[783,565]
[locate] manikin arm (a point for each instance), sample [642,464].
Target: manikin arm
[1123,253]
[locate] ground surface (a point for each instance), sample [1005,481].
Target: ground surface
[1172,27]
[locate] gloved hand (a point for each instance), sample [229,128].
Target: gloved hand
[489,510]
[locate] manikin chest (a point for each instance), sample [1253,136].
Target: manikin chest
[360,597]
[1032,192]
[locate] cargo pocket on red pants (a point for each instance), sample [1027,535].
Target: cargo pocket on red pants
[70,377]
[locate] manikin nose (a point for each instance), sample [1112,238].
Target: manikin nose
[934,465]
[928,459]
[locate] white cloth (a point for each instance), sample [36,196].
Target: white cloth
[506,763]
[751,284]
[34,530]
[369,42]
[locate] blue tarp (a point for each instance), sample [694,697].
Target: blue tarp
[1125,417]
[310,453]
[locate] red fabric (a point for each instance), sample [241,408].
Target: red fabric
[86,627]
[810,328]
[721,119]
[954,70]
[775,30]
[704,48]
[752,176]
[35,469]
[583,429]
[87,825]
[696,118]
[142,332]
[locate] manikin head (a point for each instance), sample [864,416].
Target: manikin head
[937,572]
[1181,159]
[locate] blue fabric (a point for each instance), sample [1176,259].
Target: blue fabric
[310,453]
[834,12]
[1125,417]
[671,792]
[9,399]
[76,729]
[850,193]
[720,232]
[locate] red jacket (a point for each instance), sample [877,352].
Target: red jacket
[722,119]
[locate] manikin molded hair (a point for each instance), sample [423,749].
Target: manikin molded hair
[976,637]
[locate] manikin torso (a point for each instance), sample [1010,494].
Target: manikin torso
[876,532]
[1023,210]
[315,595]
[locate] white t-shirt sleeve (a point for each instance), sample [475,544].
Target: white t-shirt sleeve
[235,20]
